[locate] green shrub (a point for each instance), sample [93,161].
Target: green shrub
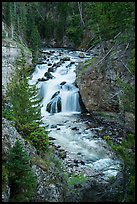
[76,179]
[4,177]
[126,152]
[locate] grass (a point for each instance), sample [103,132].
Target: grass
[76,179]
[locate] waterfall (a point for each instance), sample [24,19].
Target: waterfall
[70,99]
[56,81]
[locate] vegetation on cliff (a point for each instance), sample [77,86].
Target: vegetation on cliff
[125,150]
[80,25]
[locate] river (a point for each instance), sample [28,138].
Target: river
[80,148]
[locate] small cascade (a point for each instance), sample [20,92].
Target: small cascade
[70,99]
[56,78]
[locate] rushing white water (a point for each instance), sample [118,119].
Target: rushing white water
[59,92]
[61,106]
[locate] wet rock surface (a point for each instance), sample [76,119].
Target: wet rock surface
[97,78]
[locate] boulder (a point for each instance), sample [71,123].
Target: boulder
[96,91]
[42,79]
[62,83]
[48,75]
[51,69]
[55,104]
[81,55]
[55,95]
[65,58]
[75,128]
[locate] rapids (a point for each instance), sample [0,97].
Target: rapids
[55,77]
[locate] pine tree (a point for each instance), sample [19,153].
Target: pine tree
[25,104]
[22,180]
[26,108]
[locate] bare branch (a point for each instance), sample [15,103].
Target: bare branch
[116,94]
[125,66]
[117,35]
[40,15]
[90,47]
[125,50]
[105,55]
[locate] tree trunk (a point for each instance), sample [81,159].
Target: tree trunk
[81,13]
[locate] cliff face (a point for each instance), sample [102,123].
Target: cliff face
[97,78]
[11,51]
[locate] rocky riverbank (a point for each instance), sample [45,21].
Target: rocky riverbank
[77,165]
[81,183]
[98,81]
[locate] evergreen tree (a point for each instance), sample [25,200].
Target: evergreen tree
[107,19]
[25,108]
[22,180]
[47,20]
[25,104]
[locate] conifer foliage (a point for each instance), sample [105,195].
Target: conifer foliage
[26,108]
[22,98]
[40,21]
[22,180]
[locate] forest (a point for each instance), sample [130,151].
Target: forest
[40,22]
[34,162]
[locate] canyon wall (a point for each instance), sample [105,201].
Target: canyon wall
[98,78]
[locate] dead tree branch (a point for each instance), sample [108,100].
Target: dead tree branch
[125,50]
[119,92]
[105,55]
[125,66]
[117,35]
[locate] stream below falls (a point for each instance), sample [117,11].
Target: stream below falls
[76,144]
